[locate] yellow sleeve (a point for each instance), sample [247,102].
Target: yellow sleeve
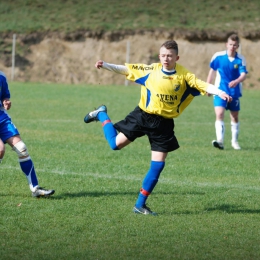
[137,71]
[194,82]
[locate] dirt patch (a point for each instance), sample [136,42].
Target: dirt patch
[70,58]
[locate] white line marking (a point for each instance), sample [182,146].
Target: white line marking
[162,179]
[179,121]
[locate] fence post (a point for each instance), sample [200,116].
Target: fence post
[13,57]
[127,57]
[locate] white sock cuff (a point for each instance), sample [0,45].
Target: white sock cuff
[235,124]
[24,159]
[33,189]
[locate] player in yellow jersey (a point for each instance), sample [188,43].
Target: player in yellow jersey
[167,88]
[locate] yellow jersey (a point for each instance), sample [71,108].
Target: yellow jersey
[165,93]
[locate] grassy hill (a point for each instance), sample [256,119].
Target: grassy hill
[27,16]
[74,21]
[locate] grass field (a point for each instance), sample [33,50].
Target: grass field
[208,200]
[25,16]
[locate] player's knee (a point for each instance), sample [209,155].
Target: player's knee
[21,149]
[113,146]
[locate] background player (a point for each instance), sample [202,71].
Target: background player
[167,88]
[9,134]
[229,70]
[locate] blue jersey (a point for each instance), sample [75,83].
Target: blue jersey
[7,128]
[228,69]
[4,90]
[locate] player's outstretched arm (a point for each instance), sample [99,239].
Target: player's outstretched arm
[211,76]
[211,89]
[121,69]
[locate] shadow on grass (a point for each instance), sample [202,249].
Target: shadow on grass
[227,208]
[92,194]
[108,194]
[251,149]
[95,194]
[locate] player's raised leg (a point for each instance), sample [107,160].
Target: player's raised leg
[100,114]
[93,115]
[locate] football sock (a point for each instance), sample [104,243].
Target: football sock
[220,130]
[108,129]
[234,131]
[28,169]
[149,182]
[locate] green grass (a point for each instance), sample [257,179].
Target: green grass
[25,16]
[208,200]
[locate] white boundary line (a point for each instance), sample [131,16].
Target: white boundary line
[181,122]
[161,180]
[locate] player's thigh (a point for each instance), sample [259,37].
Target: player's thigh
[219,107]
[8,130]
[162,137]
[158,156]
[234,105]
[122,141]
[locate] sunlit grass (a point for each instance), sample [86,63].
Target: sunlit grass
[69,16]
[207,200]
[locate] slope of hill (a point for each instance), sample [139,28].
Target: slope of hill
[71,59]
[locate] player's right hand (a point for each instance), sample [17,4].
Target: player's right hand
[99,64]
[7,104]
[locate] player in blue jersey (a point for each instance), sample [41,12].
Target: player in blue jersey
[229,70]
[166,90]
[9,134]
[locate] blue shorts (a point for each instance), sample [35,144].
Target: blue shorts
[7,128]
[234,105]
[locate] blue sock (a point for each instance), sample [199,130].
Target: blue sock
[108,129]
[149,182]
[28,169]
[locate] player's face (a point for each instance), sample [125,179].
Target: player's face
[232,46]
[168,58]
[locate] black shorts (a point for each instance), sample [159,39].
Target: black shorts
[158,129]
